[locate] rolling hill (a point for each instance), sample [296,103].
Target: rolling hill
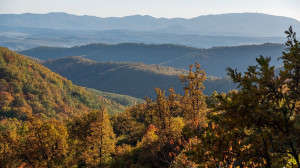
[134,79]
[214,60]
[27,87]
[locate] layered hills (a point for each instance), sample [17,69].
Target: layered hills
[27,87]
[214,60]
[134,79]
[234,24]
[20,38]
[25,31]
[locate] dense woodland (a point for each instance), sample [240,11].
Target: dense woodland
[28,86]
[49,122]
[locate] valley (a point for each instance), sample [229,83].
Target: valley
[137,91]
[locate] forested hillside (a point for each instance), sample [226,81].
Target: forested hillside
[214,60]
[125,100]
[29,88]
[255,126]
[134,79]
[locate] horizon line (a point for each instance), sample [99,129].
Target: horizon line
[146,15]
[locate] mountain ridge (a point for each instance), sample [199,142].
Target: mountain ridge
[126,79]
[214,60]
[148,16]
[253,24]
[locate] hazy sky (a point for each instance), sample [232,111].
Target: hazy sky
[156,8]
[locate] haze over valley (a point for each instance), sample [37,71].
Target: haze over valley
[149,84]
[24,31]
[215,41]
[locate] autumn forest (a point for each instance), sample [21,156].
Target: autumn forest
[47,121]
[149,84]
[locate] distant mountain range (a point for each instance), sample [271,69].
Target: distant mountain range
[234,24]
[137,42]
[20,38]
[24,31]
[214,60]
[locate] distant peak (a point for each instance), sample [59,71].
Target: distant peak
[138,16]
[50,13]
[59,13]
[245,14]
[152,17]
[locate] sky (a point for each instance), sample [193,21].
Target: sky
[155,8]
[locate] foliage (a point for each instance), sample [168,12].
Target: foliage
[193,100]
[92,139]
[29,88]
[33,143]
[44,143]
[259,125]
[168,120]
[87,140]
[9,143]
[124,100]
